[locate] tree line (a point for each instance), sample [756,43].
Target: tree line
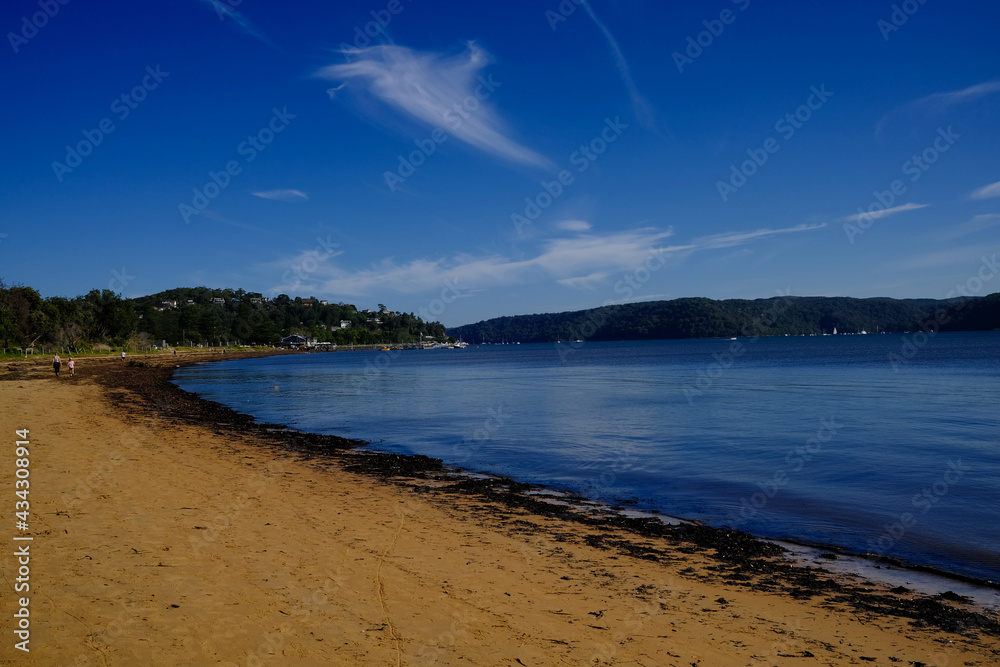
[102,319]
[707,318]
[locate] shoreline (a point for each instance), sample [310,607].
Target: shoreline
[539,536]
[866,561]
[409,470]
[405,468]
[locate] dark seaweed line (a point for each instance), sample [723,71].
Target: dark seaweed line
[742,559]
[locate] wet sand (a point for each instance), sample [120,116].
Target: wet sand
[169,530]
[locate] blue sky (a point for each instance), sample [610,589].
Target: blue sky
[470,160]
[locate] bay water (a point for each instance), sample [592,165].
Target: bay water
[880,444]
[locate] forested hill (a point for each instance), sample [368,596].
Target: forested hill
[706,318]
[192,316]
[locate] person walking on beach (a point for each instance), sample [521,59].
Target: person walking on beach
[56,363]
[71,365]
[123,355]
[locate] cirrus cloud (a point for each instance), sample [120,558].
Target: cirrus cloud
[573,225]
[986,192]
[427,86]
[281,195]
[579,261]
[875,215]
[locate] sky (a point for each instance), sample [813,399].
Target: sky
[470,160]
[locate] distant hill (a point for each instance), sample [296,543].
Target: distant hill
[707,318]
[978,315]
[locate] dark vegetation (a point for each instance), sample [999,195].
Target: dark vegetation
[102,319]
[706,318]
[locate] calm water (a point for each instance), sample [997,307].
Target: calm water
[814,438]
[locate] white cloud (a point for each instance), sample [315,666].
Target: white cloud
[986,192]
[574,225]
[579,261]
[281,195]
[875,215]
[427,86]
[586,282]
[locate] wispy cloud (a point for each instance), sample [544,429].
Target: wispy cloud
[573,225]
[967,255]
[944,101]
[640,106]
[940,103]
[427,86]
[332,91]
[977,224]
[588,282]
[281,195]
[241,22]
[582,260]
[875,215]
[986,192]
[730,239]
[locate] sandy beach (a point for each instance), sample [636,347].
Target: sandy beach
[171,532]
